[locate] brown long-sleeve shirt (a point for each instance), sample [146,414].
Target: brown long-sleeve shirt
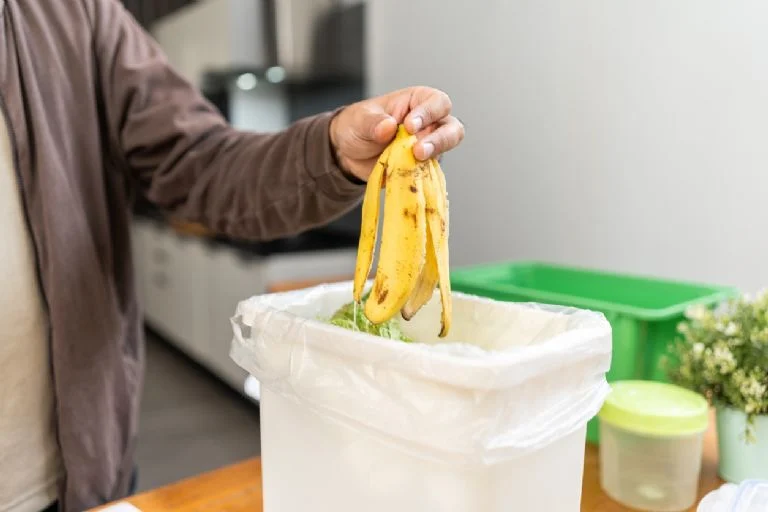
[96,115]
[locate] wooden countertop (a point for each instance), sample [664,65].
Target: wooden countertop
[237,488]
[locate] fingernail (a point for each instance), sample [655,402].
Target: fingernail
[428,148]
[417,122]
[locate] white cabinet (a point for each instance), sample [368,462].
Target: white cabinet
[189,289]
[233,277]
[174,276]
[187,312]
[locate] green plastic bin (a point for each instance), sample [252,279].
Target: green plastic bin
[643,312]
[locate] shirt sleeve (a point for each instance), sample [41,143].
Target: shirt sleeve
[192,163]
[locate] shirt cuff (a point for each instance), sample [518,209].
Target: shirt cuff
[320,161]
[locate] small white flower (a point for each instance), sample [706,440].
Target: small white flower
[724,360]
[752,389]
[756,389]
[731,329]
[698,349]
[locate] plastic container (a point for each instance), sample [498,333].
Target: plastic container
[749,496]
[492,418]
[651,445]
[643,312]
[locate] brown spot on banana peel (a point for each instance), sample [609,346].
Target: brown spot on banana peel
[382,296]
[407,172]
[411,215]
[413,189]
[376,291]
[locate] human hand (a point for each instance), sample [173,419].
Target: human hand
[361,131]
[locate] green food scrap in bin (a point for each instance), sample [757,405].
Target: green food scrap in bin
[349,317]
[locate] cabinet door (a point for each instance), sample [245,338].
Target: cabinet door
[232,279]
[176,280]
[187,293]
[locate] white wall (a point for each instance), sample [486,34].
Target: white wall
[628,135]
[212,35]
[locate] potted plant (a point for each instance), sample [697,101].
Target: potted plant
[722,353]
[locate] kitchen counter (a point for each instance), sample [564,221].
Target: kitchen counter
[237,488]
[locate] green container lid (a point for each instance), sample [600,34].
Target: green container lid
[655,409]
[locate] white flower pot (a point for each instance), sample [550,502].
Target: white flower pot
[740,460]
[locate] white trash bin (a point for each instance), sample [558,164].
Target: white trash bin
[491,419]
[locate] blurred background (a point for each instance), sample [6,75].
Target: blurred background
[625,136]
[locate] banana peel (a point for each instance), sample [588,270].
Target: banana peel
[413,253]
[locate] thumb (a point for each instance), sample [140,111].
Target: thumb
[377,125]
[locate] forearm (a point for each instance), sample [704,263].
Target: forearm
[257,186]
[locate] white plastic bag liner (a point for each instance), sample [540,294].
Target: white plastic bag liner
[748,496]
[509,380]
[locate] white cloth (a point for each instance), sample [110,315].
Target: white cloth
[29,456]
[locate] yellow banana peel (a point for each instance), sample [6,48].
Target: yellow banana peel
[413,254]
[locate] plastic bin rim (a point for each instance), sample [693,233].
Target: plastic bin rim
[719,293]
[453,364]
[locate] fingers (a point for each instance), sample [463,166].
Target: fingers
[448,134]
[430,118]
[361,131]
[427,106]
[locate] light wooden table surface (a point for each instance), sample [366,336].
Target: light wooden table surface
[237,488]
